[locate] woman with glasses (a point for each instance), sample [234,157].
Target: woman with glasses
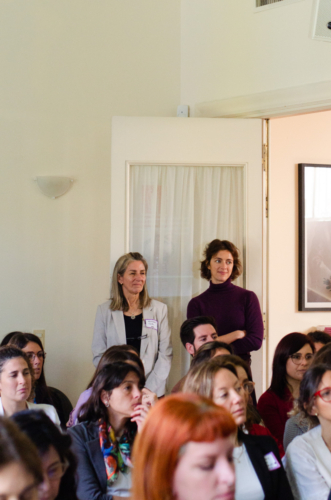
[109,422]
[58,461]
[292,358]
[259,471]
[20,467]
[42,393]
[308,457]
[16,381]
[298,423]
[132,317]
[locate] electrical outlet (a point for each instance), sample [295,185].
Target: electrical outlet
[41,335]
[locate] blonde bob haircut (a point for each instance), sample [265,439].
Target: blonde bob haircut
[200,379]
[118,301]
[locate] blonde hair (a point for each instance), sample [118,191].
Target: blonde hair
[118,301]
[200,379]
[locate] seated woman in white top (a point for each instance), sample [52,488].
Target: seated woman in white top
[16,380]
[259,471]
[308,457]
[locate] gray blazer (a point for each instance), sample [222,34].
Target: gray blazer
[155,349]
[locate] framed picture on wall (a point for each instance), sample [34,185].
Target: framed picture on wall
[314,237]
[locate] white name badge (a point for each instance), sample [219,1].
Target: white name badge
[272,461]
[151,323]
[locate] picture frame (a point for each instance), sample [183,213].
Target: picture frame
[314,237]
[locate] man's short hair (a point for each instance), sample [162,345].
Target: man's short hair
[186,330]
[318,336]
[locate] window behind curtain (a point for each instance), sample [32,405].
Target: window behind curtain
[174,211]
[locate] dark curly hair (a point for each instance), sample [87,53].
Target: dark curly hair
[212,249]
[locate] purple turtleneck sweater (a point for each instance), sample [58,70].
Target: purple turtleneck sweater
[233,308]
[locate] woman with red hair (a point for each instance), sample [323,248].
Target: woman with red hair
[185,451]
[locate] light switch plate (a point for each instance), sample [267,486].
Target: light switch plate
[41,335]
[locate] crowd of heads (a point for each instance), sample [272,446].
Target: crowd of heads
[200,426]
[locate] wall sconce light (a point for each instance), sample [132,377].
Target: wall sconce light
[53,186]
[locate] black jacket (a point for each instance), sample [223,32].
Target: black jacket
[92,478]
[274,482]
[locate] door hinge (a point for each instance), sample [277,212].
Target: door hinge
[265,170]
[264,317]
[265,157]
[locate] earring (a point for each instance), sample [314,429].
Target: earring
[107,405]
[316,414]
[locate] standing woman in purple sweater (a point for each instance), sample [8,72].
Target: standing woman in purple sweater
[236,310]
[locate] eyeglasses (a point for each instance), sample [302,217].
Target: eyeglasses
[239,389]
[32,356]
[297,358]
[324,394]
[57,470]
[248,387]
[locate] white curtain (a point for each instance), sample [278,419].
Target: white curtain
[174,212]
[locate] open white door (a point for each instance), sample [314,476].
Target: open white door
[194,142]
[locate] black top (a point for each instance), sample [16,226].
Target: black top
[133,330]
[274,482]
[91,471]
[56,398]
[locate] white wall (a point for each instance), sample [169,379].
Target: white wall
[228,50]
[293,140]
[66,69]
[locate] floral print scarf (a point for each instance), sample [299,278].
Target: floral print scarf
[116,454]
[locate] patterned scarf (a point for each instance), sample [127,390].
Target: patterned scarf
[116,454]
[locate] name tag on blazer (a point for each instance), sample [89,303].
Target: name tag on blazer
[151,323]
[272,462]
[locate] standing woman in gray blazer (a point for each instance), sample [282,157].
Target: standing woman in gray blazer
[132,317]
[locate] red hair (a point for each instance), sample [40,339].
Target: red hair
[173,422]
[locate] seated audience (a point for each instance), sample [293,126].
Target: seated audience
[194,333]
[58,461]
[184,451]
[42,393]
[20,467]
[298,423]
[257,477]
[16,380]
[293,356]
[118,353]
[319,338]
[109,422]
[308,457]
[254,424]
